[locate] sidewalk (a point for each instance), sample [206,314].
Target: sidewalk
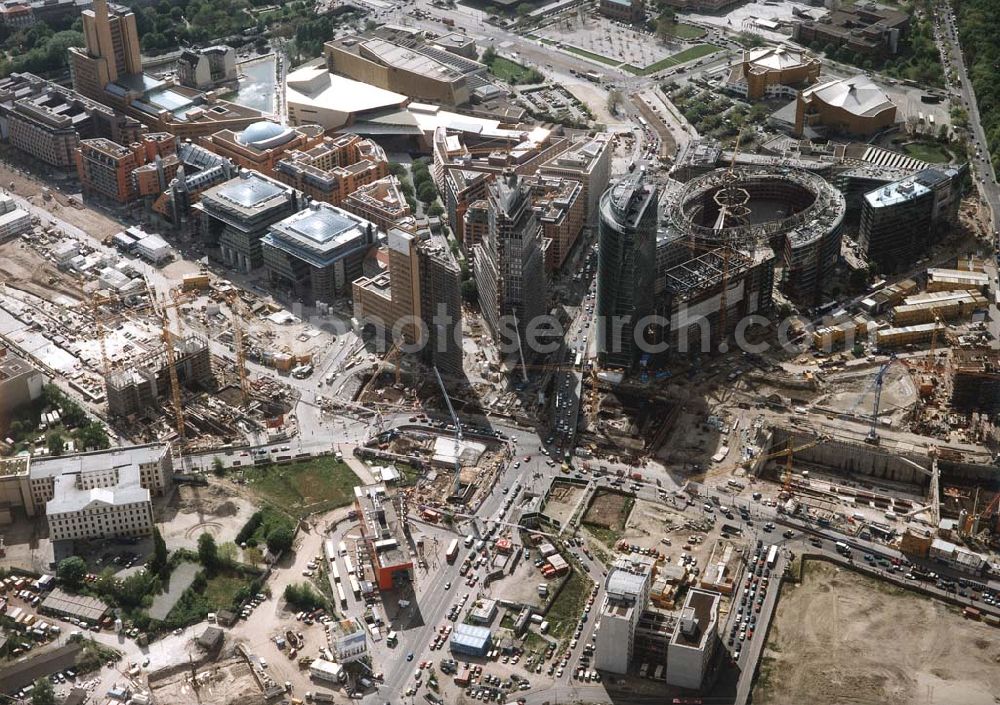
[360,469]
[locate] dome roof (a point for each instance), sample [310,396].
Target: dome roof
[265,134]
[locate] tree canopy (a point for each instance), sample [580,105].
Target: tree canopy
[72,571]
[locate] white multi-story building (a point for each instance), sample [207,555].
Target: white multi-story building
[627,593]
[694,641]
[29,483]
[348,641]
[99,504]
[153,462]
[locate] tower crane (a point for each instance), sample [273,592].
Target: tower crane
[873,437]
[175,385]
[455,420]
[96,301]
[788,454]
[991,512]
[235,307]
[930,361]
[732,202]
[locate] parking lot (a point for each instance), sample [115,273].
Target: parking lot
[616,42]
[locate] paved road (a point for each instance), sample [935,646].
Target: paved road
[983,173]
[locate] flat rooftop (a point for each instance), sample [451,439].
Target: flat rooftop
[701,607]
[13,366]
[380,525]
[98,460]
[582,157]
[70,497]
[896,193]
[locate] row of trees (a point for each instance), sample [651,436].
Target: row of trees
[76,424]
[424,186]
[301,596]
[278,534]
[169,24]
[978,26]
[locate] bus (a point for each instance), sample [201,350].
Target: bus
[349,564]
[355,587]
[579,360]
[335,571]
[341,596]
[452,552]
[772,556]
[342,548]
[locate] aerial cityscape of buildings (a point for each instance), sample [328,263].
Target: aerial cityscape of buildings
[618,351]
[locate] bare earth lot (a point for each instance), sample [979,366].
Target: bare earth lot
[608,509]
[562,501]
[841,637]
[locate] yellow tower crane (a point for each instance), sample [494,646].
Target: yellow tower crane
[175,385]
[96,301]
[788,454]
[236,308]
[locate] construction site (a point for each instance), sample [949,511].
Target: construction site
[157,360]
[459,468]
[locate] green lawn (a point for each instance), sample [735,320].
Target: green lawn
[221,589]
[591,55]
[564,614]
[695,52]
[927,151]
[686,31]
[507,70]
[609,537]
[318,484]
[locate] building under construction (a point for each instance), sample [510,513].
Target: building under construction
[707,293]
[797,214]
[133,390]
[976,381]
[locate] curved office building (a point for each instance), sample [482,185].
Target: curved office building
[798,213]
[626,272]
